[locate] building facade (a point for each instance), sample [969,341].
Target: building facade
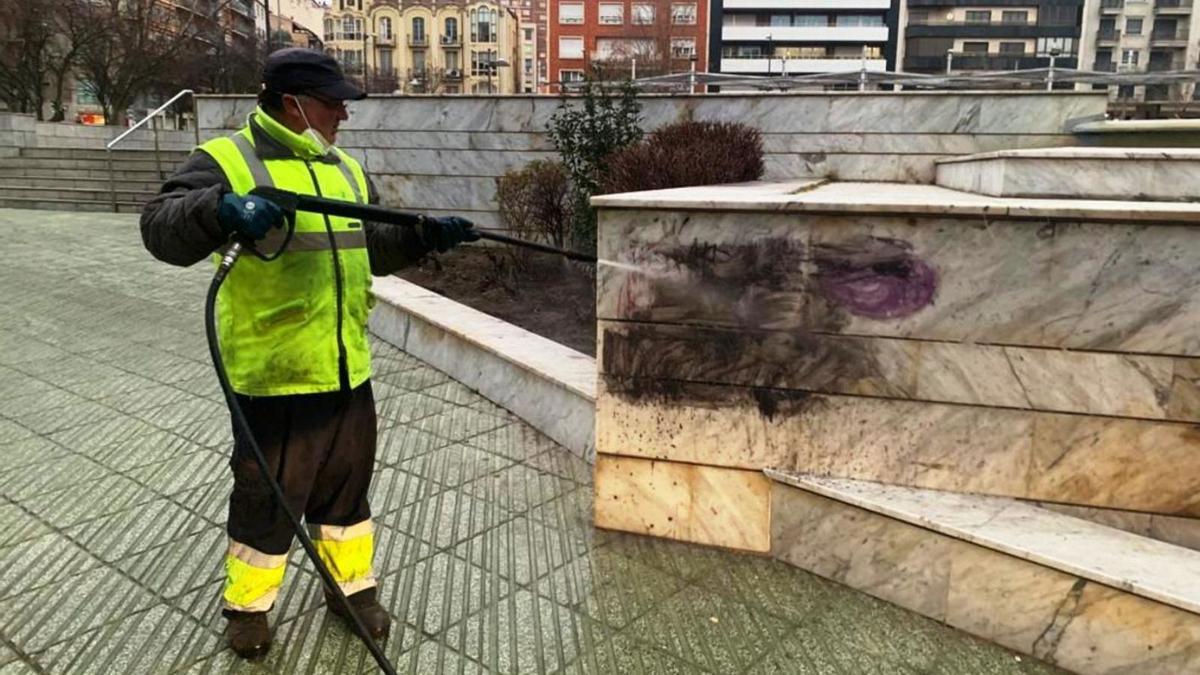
[794,37]
[616,38]
[985,35]
[532,15]
[425,47]
[1142,36]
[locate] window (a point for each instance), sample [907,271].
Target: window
[643,15]
[528,66]
[452,64]
[569,76]
[810,20]
[918,17]
[483,63]
[570,13]
[528,34]
[418,64]
[976,16]
[348,29]
[328,29]
[1125,91]
[975,47]
[483,25]
[1009,16]
[85,93]
[386,67]
[1133,26]
[612,14]
[683,48]
[384,29]
[570,48]
[450,32]
[683,14]
[1129,57]
[775,20]
[418,31]
[1012,48]
[860,20]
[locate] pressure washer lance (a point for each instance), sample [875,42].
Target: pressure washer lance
[291,202]
[230,257]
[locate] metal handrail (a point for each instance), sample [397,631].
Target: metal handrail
[150,118]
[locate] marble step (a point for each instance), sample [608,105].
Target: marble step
[1072,592]
[1137,174]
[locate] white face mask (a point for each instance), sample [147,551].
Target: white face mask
[317,137]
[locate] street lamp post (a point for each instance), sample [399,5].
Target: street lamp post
[493,68]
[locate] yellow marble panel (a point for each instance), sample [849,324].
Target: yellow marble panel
[701,504]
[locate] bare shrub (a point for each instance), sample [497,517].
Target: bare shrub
[685,154]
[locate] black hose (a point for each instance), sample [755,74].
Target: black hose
[239,418]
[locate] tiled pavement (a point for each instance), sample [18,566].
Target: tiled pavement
[113,480]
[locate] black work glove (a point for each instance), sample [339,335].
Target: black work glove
[248,215]
[444,233]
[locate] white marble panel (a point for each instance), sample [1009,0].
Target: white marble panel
[475,163]
[440,192]
[1147,567]
[547,384]
[1078,285]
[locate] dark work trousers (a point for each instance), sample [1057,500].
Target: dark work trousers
[321,449]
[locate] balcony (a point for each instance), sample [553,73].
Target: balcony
[984,61]
[1105,66]
[453,75]
[1108,35]
[805,4]
[1173,6]
[761,65]
[1177,37]
[935,28]
[1111,6]
[385,40]
[805,33]
[454,40]
[418,41]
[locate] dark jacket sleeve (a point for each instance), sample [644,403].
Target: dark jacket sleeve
[179,225]
[391,247]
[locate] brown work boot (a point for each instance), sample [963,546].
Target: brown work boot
[372,614]
[248,634]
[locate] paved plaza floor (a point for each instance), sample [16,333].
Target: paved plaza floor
[113,484]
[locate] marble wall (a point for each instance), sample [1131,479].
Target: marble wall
[444,154]
[1051,358]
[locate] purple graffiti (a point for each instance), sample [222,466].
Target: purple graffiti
[875,277]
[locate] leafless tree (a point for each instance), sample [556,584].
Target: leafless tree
[141,47]
[26,35]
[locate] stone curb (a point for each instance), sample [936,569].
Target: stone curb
[550,386]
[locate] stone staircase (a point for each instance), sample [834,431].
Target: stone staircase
[76,179]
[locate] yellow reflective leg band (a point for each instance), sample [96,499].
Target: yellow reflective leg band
[347,552]
[252,578]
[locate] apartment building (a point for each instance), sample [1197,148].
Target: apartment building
[532,15]
[426,48]
[618,38]
[1142,36]
[793,37]
[987,35]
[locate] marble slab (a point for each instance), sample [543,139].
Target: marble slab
[1066,620]
[1119,385]
[1177,530]
[1147,567]
[1136,174]
[550,386]
[1121,286]
[853,197]
[1076,459]
[687,502]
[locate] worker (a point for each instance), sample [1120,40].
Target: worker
[293,331]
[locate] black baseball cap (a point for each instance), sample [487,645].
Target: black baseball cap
[297,70]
